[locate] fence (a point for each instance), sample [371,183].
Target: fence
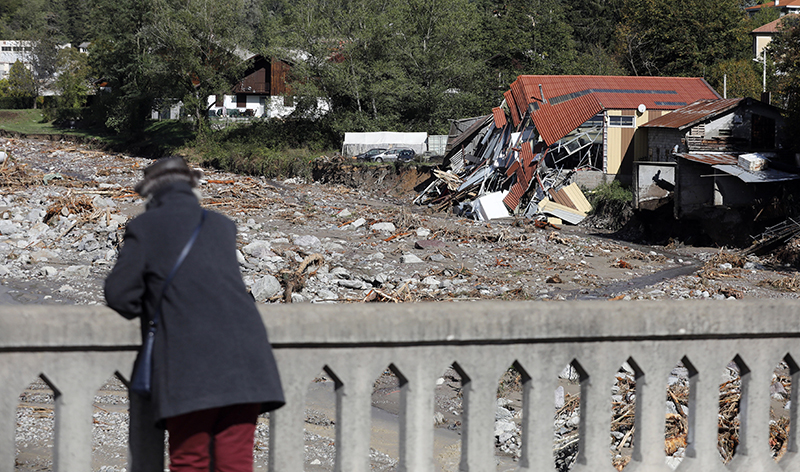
[77,348]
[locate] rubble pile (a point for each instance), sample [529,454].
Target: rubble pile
[498,168]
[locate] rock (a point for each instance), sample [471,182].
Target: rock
[9,227]
[340,273]
[259,249]
[307,241]
[49,271]
[80,271]
[560,397]
[423,232]
[297,298]
[240,257]
[726,266]
[344,213]
[327,295]
[410,259]
[431,281]
[358,223]
[384,227]
[265,288]
[353,284]
[376,257]
[3,270]
[429,244]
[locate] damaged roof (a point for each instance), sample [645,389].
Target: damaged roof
[695,113]
[711,158]
[559,104]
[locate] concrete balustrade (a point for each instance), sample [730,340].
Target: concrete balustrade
[77,348]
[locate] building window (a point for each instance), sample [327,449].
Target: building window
[6,48]
[17,48]
[594,122]
[621,121]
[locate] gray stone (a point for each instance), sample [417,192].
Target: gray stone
[344,213]
[9,227]
[353,284]
[49,271]
[259,249]
[429,244]
[307,241]
[340,273]
[410,259]
[437,258]
[327,295]
[559,395]
[297,298]
[78,271]
[266,287]
[423,232]
[384,227]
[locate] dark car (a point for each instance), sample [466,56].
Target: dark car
[395,154]
[367,156]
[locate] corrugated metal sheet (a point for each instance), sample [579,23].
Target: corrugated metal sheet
[761,176]
[470,133]
[698,111]
[499,117]
[512,106]
[711,159]
[571,100]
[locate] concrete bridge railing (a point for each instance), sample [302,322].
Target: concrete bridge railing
[78,348]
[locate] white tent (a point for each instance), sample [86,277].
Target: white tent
[356,143]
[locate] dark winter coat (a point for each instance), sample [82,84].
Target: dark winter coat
[211,347]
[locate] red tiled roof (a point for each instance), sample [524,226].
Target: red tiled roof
[512,106]
[711,159]
[570,100]
[772,27]
[689,115]
[781,3]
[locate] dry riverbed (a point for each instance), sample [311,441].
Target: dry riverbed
[63,209]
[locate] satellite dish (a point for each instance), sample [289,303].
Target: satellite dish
[641,108]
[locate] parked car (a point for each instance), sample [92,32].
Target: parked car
[395,154]
[367,156]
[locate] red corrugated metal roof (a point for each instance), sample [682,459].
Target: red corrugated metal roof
[512,106]
[711,159]
[570,100]
[689,115]
[499,117]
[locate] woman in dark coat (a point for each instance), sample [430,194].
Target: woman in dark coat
[213,368]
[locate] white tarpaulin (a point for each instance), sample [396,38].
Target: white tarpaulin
[356,143]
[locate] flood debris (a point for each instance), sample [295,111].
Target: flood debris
[498,170]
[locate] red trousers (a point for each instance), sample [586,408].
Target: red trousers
[219,436]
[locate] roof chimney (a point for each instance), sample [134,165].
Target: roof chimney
[541,94]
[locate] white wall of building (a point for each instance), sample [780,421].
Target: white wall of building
[11,52]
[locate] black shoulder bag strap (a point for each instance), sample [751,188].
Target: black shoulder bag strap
[141,380]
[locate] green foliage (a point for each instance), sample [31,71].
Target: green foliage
[785,48]
[607,198]
[744,78]
[21,84]
[72,82]
[665,37]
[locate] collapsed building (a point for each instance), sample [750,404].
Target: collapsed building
[549,133]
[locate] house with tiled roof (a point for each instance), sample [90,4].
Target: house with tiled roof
[763,35]
[784,7]
[592,121]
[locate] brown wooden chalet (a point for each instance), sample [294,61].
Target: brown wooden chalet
[264,76]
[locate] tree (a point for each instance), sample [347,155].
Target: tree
[385,65]
[72,81]
[785,49]
[667,37]
[21,84]
[196,42]
[743,78]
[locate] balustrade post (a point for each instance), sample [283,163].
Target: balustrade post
[595,424]
[353,414]
[286,441]
[416,415]
[479,382]
[538,409]
[16,372]
[709,361]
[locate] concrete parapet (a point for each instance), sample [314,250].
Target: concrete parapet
[77,348]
